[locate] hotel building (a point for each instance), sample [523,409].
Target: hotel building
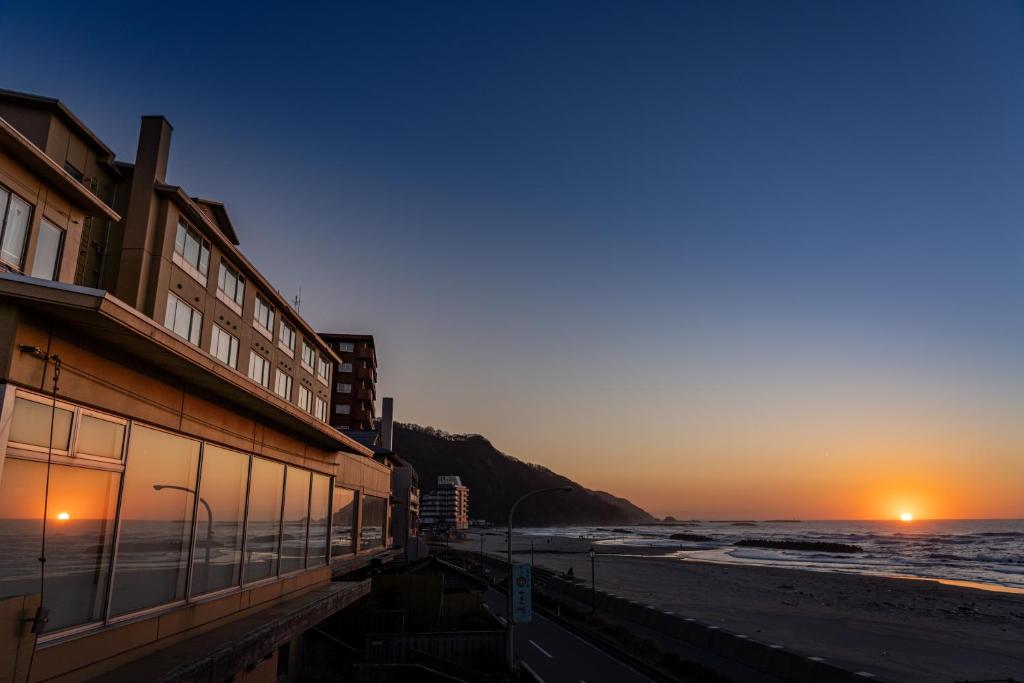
[447,505]
[165,444]
[354,388]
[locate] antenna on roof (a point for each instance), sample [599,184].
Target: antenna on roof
[298,300]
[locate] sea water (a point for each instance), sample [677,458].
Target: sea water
[989,553]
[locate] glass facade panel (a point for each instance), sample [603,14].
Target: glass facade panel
[79,536]
[372,529]
[156,520]
[99,437]
[296,515]
[217,560]
[319,510]
[343,507]
[48,248]
[31,424]
[263,532]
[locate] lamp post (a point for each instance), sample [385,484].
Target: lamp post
[593,583]
[509,619]
[209,517]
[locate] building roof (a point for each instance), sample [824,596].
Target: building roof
[120,327]
[55,106]
[338,336]
[220,217]
[22,149]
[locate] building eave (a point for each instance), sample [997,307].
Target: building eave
[22,149]
[109,320]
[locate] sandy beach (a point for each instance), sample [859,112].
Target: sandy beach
[898,629]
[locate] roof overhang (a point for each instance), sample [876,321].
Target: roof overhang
[22,149]
[110,321]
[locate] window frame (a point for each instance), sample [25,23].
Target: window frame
[4,215]
[231,363]
[285,325]
[312,352]
[266,366]
[308,393]
[192,319]
[290,382]
[231,300]
[61,240]
[194,271]
[324,370]
[262,301]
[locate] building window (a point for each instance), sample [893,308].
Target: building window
[320,409]
[263,528]
[308,356]
[286,337]
[346,347]
[259,369]
[156,520]
[283,385]
[319,512]
[217,558]
[99,438]
[342,409]
[306,399]
[343,388]
[46,264]
[296,516]
[80,522]
[263,317]
[224,346]
[15,214]
[323,370]
[231,287]
[343,508]
[182,319]
[345,367]
[191,252]
[372,530]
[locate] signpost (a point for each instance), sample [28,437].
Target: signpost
[522,594]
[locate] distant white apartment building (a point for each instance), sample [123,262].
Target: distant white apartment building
[447,505]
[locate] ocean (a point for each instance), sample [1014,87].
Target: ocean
[984,553]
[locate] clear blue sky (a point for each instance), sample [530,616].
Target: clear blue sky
[724,239]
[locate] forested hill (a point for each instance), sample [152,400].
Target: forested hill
[496,480]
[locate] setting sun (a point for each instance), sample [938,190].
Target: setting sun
[906,517]
[63,516]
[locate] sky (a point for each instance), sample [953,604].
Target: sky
[726,259]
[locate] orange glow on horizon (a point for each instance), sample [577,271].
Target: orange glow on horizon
[63,516]
[906,517]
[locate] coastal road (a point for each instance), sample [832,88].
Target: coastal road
[560,656]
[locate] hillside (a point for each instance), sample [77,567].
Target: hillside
[495,480]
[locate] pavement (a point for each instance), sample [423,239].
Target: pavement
[557,655]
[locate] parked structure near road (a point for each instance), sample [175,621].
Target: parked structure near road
[177,406]
[354,387]
[446,506]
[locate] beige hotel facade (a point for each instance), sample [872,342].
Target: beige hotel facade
[164,436]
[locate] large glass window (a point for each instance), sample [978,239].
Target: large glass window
[320,409]
[286,337]
[323,370]
[191,252]
[259,369]
[15,214]
[283,385]
[99,437]
[31,425]
[263,532]
[182,319]
[306,399]
[231,285]
[308,356]
[156,520]
[296,516]
[79,536]
[224,346]
[372,530]
[263,317]
[343,508]
[217,560]
[48,249]
[319,511]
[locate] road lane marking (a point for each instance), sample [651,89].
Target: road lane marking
[549,655]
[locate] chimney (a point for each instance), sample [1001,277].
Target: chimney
[387,422]
[154,148]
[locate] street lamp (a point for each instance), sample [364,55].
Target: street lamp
[509,646]
[593,583]
[209,528]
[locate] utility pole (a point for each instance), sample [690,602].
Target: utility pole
[593,582]
[531,553]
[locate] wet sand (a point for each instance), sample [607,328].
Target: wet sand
[898,629]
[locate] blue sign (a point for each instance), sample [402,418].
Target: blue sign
[522,594]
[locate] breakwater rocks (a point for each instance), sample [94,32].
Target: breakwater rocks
[696,538]
[820,546]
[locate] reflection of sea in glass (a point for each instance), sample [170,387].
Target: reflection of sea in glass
[296,513]
[372,528]
[263,532]
[156,520]
[342,517]
[316,550]
[78,548]
[217,559]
